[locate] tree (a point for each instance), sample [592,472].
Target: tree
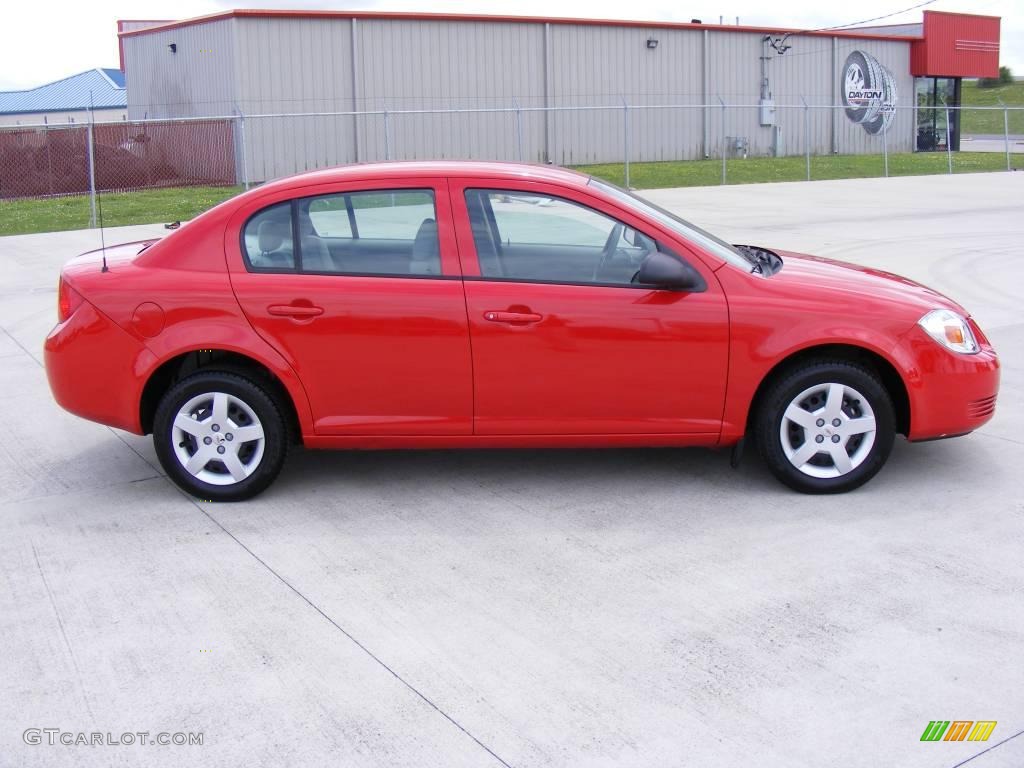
[1005,78]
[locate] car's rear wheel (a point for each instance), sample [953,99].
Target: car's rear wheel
[825,427]
[220,436]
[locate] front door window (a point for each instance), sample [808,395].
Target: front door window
[539,238]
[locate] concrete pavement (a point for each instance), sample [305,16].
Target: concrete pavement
[531,608]
[991,143]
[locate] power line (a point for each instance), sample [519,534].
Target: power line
[779,43]
[877,18]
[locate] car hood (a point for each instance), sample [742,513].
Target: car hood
[838,279]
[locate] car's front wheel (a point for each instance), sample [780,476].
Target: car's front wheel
[825,427]
[220,436]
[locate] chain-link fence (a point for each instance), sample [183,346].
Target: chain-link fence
[635,144]
[38,161]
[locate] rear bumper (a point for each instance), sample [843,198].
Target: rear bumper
[96,369]
[950,394]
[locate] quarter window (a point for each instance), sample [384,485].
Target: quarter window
[268,239]
[537,238]
[387,232]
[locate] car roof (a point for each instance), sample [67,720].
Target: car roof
[431,169]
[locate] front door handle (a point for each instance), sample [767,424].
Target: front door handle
[295,310]
[513,318]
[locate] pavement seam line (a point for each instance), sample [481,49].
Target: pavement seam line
[63,632]
[1000,437]
[345,632]
[317,608]
[979,754]
[89,489]
[21,346]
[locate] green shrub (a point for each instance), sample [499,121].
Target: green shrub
[1005,78]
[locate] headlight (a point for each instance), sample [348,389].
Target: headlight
[950,330]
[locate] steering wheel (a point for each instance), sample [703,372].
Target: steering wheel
[611,245]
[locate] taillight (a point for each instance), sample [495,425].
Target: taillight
[68,300]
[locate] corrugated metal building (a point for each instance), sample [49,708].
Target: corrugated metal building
[257,63]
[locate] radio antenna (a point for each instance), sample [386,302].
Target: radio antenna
[99,197]
[103,240]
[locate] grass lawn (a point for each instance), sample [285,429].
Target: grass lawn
[696,173]
[991,121]
[155,205]
[148,206]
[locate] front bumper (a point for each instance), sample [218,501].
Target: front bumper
[950,394]
[96,369]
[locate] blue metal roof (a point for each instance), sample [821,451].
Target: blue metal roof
[116,75]
[69,94]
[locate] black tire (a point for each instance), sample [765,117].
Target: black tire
[856,61]
[781,393]
[261,403]
[873,117]
[871,74]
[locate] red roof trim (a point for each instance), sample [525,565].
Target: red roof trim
[120,42]
[369,15]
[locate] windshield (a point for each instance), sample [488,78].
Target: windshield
[683,228]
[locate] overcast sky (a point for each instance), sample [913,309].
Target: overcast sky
[45,41]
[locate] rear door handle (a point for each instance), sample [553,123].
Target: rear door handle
[294,310]
[513,318]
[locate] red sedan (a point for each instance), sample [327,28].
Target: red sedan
[446,304]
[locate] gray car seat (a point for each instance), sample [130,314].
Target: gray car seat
[426,250]
[316,256]
[270,236]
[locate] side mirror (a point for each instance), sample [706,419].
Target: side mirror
[660,270]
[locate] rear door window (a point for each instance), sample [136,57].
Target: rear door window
[370,233]
[378,232]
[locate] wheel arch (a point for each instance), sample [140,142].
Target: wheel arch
[884,368]
[183,364]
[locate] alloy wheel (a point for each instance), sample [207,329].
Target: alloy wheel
[828,430]
[218,438]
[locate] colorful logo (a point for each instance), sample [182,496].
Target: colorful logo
[958,730]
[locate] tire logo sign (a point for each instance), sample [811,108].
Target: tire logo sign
[869,92]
